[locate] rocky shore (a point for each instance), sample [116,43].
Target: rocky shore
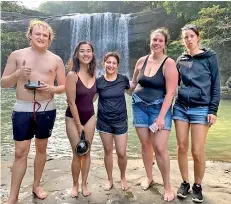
[57,181]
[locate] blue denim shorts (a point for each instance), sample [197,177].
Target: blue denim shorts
[196,115]
[144,114]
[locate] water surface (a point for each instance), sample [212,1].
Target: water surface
[218,145]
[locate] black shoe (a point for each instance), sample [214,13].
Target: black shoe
[197,193]
[183,191]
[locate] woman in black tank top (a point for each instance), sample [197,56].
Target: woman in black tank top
[154,82]
[80,90]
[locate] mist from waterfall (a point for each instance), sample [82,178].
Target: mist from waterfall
[107,32]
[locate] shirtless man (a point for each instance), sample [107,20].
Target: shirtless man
[34,111]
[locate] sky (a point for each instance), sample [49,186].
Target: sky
[32,4]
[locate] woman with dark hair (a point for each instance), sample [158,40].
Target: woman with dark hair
[112,121]
[195,107]
[80,116]
[155,81]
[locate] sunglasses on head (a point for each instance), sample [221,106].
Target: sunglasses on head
[191,27]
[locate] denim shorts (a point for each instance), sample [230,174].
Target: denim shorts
[115,128]
[144,114]
[25,127]
[191,114]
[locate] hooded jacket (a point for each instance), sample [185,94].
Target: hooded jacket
[199,82]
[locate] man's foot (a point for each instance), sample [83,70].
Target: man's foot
[108,186]
[197,196]
[39,193]
[124,184]
[85,191]
[169,195]
[74,191]
[184,189]
[145,184]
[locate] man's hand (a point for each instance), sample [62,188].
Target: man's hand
[46,88]
[23,71]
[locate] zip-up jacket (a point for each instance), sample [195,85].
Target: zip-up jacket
[199,82]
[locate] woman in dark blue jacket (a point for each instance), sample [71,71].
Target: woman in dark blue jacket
[195,107]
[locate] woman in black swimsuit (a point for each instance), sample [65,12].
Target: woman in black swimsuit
[80,90]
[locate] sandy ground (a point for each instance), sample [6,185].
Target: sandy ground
[57,181]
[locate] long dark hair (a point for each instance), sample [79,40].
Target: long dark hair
[74,61]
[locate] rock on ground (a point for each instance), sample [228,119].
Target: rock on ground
[57,181]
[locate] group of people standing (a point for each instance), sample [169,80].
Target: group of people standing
[157,79]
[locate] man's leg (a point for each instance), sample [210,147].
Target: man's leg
[39,163]
[18,169]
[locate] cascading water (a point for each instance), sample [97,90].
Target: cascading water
[106,31]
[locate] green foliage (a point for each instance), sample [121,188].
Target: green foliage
[188,10]
[175,49]
[214,23]
[11,41]
[12,6]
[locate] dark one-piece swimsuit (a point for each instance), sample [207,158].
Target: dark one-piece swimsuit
[84,102]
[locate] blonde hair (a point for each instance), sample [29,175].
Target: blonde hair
[164,31]
[35,22]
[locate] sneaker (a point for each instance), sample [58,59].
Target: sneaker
[197,193]
[184,189]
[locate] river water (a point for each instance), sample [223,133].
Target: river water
[218,145]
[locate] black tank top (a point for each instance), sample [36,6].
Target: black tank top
[152,88]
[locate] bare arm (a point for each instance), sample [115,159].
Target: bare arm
[130,90]
[95,97]
[60,76]
[171,77]
[70,85]
[11,74]
[137,69]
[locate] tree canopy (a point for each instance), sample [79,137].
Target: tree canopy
[212,17]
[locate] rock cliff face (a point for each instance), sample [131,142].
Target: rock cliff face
[139,27]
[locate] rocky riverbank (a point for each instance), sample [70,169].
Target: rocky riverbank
[57,182]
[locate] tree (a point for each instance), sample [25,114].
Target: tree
[215,25]
[11,41]
[12,6]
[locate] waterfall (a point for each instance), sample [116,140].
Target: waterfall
[107,32]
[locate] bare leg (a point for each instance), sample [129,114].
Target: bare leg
[107,140]
[89,130]
[147,155]
[160,142]
[19,167]
[76,161]
[39,163]
[198,135]
[121,145]
[182,135]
